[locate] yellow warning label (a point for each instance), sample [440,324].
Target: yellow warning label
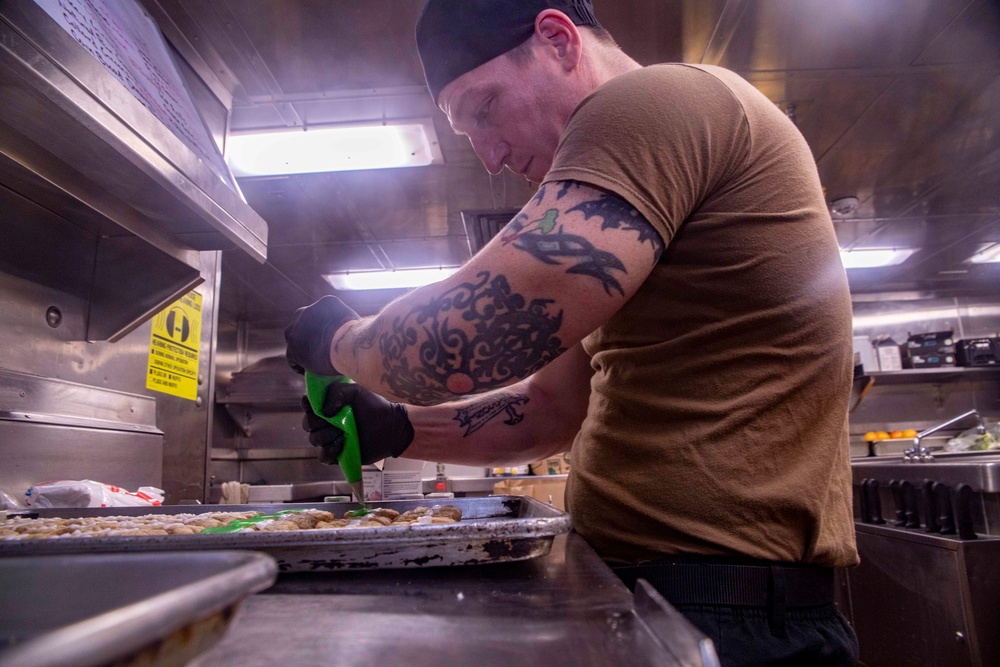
[173,348]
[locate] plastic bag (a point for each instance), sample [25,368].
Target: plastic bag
[8,502]
[973,441]
[88,493]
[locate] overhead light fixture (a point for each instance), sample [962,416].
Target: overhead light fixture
[333,148]
[867,258]
[398,279]
[987,253]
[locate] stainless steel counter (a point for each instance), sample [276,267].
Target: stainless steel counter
[566,608]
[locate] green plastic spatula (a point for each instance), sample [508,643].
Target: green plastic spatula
[350,456]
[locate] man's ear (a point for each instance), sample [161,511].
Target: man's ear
[556,31]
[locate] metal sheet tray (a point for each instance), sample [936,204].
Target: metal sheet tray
[126,609]
[495,529]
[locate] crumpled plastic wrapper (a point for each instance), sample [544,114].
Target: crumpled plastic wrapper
[973,441]
[88,493]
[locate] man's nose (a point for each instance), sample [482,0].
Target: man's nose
[492,153]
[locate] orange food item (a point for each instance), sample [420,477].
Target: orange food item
[896,434]
[882,435]
[871,436]
[909,433]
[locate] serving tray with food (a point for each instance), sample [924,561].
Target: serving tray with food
[304,537]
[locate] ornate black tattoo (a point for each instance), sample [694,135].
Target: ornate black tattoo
[540,239]
[547,242]
[512,339]
[478,414]
[616,213]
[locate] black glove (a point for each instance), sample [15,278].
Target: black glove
[311,332]
[384,430]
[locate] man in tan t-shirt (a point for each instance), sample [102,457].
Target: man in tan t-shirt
[671,303]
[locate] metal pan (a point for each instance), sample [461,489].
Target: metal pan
[126,609]
[495,529]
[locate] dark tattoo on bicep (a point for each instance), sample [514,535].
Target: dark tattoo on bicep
[616,213]
[512,338]
[564,188]
[478,414]
[547,241]
[541,240]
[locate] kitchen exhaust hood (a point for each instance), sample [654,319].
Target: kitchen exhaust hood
[110,182]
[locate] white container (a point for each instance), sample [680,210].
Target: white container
[402,479]
[371,477]
[889,357]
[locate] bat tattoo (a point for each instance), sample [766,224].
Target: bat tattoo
[478,414]
[547,241]
[616,213]
[512,338]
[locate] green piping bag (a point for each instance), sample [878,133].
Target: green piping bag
[350,456]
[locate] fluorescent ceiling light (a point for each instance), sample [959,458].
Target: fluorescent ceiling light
[332,148]
[866,258]
[988,252]
[401,278]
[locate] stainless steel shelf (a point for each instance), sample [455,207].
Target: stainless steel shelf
[918,375]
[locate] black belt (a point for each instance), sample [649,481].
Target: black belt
[769,585]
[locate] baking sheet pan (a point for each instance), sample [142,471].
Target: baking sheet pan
[127,609]
[495,529]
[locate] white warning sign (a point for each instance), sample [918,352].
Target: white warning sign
[174,347]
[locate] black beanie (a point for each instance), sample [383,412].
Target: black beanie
[457,36]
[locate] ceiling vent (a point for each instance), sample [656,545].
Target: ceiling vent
[481,226]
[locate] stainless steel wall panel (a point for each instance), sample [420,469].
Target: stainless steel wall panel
[29,345]
[31,453]
[44,400]
[42,247]
[287,471]
[187,425]
[980,315]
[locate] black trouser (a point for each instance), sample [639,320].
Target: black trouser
[755,612]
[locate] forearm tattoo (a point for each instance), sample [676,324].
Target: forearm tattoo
[363,340]
[512,338]
[545,240]
[478,414]
[368,336]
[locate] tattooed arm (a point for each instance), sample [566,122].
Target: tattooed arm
[524,422]
[566,263]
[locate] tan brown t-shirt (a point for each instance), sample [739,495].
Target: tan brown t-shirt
[718,411]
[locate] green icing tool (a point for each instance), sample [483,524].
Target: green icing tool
[350,456]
